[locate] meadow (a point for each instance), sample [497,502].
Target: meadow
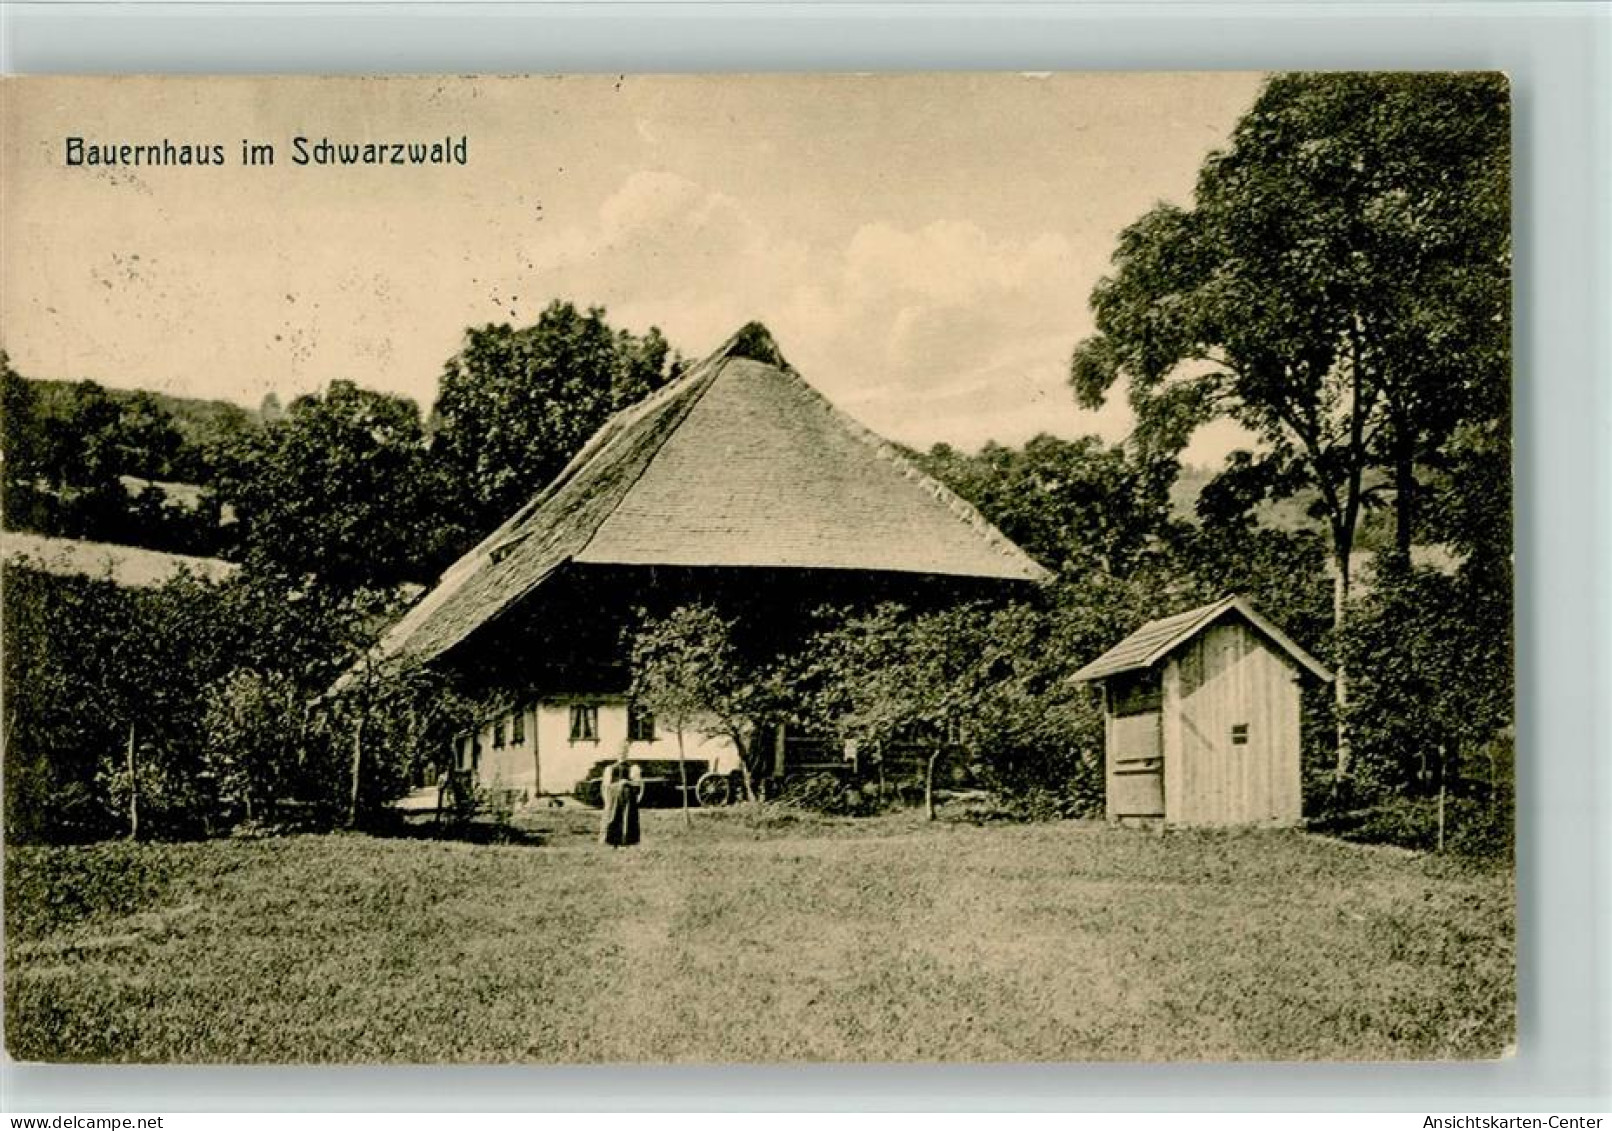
[757,937]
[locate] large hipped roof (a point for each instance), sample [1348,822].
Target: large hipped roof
[737,463]
[1158,638]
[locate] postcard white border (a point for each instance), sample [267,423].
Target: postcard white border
[1557,55]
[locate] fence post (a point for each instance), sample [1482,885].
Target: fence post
[1443,767]
[134,789]
[358,758]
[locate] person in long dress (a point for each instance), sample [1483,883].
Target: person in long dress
[619,824]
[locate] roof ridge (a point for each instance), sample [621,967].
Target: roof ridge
[510,533]
[886,451]
[705,370]
[682,412]
[1192,620]
[607,433]
[1182,627]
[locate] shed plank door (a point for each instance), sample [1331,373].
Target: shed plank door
[1138,753]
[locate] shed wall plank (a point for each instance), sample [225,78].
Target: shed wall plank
[1229,678]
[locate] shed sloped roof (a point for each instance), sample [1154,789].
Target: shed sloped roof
[1158,638]
[737,463]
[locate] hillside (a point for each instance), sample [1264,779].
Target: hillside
[197,419]
[1283,514]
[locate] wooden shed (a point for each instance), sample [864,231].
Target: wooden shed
[1201,719]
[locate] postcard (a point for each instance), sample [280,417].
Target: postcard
[758,568]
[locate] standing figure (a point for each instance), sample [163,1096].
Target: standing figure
[619,825]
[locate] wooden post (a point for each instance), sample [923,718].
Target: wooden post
[929,784]
[1488,748]
[1441,815]
[1340,675]
[1442,758]
[682,776]
[134,789]
[358,759]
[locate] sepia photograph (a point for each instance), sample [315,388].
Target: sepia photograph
[756,569]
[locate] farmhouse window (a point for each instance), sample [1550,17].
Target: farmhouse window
[584,723]
[1239,734]
[517,728]
[498,734]
[640,724]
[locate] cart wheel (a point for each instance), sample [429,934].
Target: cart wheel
[713,790]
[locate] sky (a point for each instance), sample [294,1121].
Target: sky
[922,247]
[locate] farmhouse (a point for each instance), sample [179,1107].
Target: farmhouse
[1201,715]
[737,484]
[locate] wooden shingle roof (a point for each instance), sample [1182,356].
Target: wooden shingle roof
[737,463]
[1158,638]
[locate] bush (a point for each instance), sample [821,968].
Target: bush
[1472,828]
[1038,803]
[990,681]
[47,804]
[1087,792]
[85,662]
[831,795]
[1478,830]
[253,739]
[1431,676]
[213,680]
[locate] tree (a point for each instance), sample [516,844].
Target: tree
[85,446]
[685,665]
[1338,288]
[86,664]
[385,724]
[360,727]
[887,677]
[671,666]
[991,683]
[269,409]
[254,725]
[288,640]
[1283,572]
[1077,505]
[1438,686]
[22,440]
[20,432]
[148,441]
[56,722]
[342,488]
[185,702]
[67,451]
[514,405]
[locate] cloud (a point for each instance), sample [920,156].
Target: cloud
[949,262]
[651,202]
[935,331]
[941,331]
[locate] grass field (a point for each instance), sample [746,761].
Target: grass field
[747,940]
